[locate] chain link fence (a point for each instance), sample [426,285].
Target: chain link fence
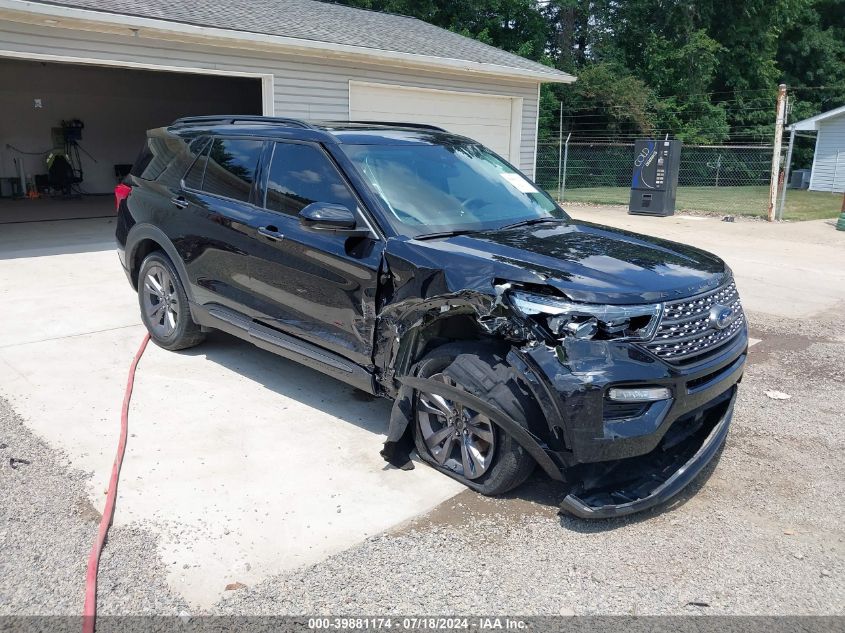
[724,179]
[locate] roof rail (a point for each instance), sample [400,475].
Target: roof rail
[228,119]
[422,126]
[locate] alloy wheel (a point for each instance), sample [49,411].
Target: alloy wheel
[159,301]
[457,437]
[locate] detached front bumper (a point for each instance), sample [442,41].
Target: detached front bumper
[623,458]
[652,480]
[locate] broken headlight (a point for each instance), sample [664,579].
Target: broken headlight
[588,320]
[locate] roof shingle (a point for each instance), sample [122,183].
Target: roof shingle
[320,22]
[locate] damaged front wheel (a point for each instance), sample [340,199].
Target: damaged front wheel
[457,437]
[460,441]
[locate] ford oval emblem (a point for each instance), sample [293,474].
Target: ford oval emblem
[721,316]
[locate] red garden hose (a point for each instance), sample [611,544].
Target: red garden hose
[89,610]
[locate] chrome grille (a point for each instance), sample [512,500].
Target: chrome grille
[685,331]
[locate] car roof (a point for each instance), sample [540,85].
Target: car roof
[351,132]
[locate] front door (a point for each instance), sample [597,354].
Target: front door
[319,286]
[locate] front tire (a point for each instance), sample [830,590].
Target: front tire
[459,441]
[164,305]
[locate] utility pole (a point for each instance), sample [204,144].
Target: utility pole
[775,175]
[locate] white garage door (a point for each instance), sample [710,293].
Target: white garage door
[494,121]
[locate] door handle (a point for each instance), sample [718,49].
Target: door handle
[179,202]
[271,232]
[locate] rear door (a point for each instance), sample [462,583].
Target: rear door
[218,195]
[318,286]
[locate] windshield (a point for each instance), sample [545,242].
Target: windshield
[433,189]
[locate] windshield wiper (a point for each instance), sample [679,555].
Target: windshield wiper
[529,222]
[431,236]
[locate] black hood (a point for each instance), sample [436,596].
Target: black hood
[586,262]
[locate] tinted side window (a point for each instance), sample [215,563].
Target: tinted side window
[182,153]
[145,156]
[158,152]
[300,175]
[193,179]
[230,170]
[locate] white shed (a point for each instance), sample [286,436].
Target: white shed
[829,158]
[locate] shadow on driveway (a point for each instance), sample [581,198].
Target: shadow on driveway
[297,382]
[62,237]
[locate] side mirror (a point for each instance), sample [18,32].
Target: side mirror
[324,216]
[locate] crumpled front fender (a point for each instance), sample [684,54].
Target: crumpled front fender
[399,444]
[418,288]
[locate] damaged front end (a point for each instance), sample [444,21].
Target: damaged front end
[626,486]
[624,428]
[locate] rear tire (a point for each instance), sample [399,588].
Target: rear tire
[164,305]
[473,450]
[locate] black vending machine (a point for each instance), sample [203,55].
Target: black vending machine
[655,180]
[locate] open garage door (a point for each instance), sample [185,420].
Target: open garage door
[492,120]
[94,117]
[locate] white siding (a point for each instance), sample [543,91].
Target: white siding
[829,159]
[489,119]
[306,87]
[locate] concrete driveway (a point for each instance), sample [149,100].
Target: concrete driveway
[248,465]
[245,463]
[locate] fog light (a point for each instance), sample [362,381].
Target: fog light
[639,394]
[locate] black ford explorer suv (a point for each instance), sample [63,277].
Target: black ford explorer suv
[417,265]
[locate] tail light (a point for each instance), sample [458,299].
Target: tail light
[121,192]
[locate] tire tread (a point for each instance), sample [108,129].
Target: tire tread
[482,371]
[188,333]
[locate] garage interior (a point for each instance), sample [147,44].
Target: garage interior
[94,119]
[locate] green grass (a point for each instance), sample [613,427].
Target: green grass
[800,205]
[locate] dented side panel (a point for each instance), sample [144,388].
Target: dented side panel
[419,287]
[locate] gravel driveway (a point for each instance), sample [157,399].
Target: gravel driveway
[761,534]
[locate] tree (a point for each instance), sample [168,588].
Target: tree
[517,26]
[704,71]
[811,51]
[607,101]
